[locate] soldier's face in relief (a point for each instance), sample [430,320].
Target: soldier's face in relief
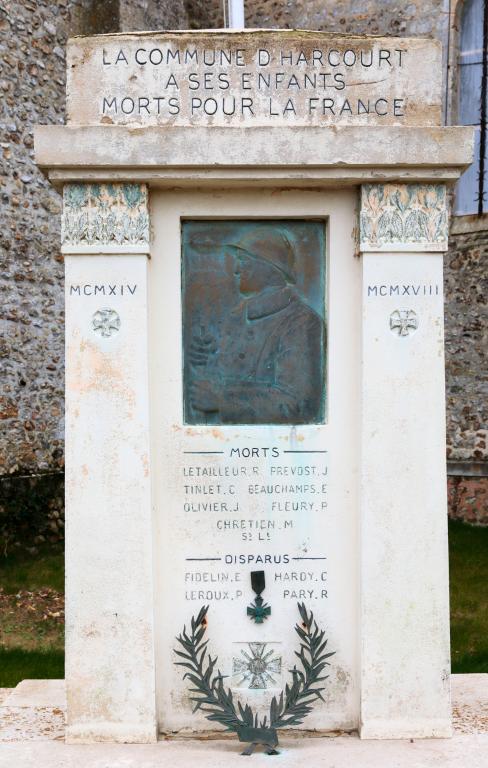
[254,275]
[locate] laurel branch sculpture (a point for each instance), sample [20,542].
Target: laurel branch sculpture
[217,702]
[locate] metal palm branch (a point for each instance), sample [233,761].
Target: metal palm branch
[216,701]
[297,700]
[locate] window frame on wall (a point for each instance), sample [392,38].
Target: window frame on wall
[472,78]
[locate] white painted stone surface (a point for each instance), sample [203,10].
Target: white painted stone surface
[404,565]
[109,582]
[384,529]
[258,77]
[37,693]
[329,531]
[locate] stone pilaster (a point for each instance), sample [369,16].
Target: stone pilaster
[109,583]
[404,561]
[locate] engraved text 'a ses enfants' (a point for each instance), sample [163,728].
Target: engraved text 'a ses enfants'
[258,79]
[205,73]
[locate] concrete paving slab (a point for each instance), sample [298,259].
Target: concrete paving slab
[32,733]
[343,752]
[469,696]
[5,693]
[33,711]
[22,724]
[37,693]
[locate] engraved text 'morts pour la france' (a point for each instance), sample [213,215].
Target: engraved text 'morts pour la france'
[254,332]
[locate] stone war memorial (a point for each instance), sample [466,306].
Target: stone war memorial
[256,533]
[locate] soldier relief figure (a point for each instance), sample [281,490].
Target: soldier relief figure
[257,356]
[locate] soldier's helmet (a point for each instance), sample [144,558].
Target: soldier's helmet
[268,244]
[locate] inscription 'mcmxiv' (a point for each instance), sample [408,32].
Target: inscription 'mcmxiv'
[102,289]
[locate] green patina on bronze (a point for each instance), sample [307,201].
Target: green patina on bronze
[217,703]
[258,611]
[254,335]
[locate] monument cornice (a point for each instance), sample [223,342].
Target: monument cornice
[297,156]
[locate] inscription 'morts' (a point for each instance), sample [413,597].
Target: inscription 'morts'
[254,331]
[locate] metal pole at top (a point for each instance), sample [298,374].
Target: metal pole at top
[234,14]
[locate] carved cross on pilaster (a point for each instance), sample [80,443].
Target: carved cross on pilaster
[402,321]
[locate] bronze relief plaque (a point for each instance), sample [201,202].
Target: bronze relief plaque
[254,325]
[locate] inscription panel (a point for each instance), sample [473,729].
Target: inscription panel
[233,500]
[242,508]
[253,78]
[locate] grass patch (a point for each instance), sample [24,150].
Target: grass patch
[24,571]
[468,562]
[31,641]
[17,664]
[33,621]
[32,615]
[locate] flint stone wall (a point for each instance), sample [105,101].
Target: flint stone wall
[466,318]
[361,17]
[468,499]
[33,35]
[32,39]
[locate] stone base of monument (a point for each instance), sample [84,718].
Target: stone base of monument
[32,734]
